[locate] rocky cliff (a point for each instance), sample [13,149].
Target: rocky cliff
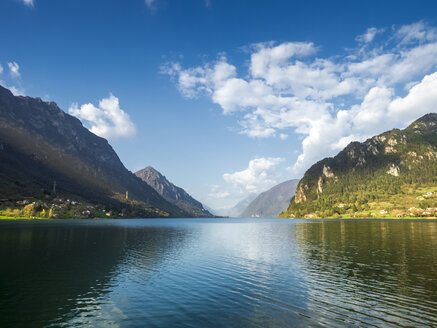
[392,174]
[172,193]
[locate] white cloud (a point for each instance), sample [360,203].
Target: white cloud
[369,35]
[14,69]
[16,91]
[15,74]
[257,177]
[260,175]
[328,101]
[419,31]
[421,99]
[216,193]
[107,120]
[200,80]
[29,3]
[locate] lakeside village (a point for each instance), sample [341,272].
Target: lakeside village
[31,208]
[376,210]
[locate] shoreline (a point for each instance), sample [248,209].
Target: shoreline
[368,218]
[37,218]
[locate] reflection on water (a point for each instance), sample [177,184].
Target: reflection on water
[53,272]
[373,272]
[225,273]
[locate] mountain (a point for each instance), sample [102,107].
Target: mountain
[41,144]
[210,210]
[172,193]
[392,174]
[236,210]
[271,202]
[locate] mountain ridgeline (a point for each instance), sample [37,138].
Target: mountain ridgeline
[172,193]
[46,154]
[238,208]
[393,174]
[271,202]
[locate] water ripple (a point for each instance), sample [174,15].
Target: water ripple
[235,273]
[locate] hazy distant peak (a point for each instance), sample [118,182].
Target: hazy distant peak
[273,201]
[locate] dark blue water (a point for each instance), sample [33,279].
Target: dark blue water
[218,273]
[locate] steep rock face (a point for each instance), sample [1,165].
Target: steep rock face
[40,144]
[271,202]
[376,170]
[172,193]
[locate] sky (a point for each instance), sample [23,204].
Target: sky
[225,98]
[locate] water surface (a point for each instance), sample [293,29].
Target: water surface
[218,273]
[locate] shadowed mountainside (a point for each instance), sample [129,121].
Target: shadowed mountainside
[40,144]
[172,193]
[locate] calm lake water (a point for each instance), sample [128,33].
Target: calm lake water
[218,273]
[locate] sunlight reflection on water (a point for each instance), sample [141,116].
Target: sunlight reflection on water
[226,273]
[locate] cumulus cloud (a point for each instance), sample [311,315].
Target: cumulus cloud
[328,101]
[107,120]
[261,174]
[1,69]
[14,69]
[421,99]
[257,177]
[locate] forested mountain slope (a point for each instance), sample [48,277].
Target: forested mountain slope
[392,174]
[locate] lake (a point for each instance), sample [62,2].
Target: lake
[218,273]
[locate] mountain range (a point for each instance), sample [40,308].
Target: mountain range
[393,174]
[46,153]
[271,202]
[238,208]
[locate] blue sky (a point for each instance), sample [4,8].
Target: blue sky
[225,98]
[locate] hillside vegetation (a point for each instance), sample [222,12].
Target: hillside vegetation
[390,175]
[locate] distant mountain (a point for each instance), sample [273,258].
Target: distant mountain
[392,174]
[236,210]
[210,210]
[41,144]
[172,193]
[271,202]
